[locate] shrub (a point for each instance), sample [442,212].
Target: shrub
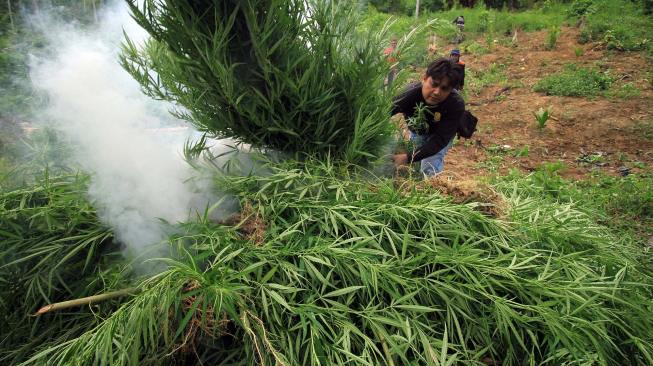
[485,22]
[416,54]
[648,6]
[552,38]
[581,8]
[575,81]
[630,31]
[273,78]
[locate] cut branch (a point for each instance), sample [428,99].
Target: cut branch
[86,300]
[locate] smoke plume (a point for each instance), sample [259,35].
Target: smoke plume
[129,143]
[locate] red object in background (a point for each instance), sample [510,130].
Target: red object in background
[388,53]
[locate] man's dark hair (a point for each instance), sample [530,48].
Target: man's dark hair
[445,67]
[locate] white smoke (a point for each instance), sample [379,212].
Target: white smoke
[119,135]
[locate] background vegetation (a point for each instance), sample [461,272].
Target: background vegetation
[630,31]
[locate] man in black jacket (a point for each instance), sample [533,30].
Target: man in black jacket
[432,110]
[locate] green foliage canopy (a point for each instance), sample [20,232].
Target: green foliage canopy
[285,74]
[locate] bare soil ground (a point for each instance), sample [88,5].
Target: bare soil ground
[585,134]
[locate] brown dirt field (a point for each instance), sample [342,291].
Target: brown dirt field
[599,128]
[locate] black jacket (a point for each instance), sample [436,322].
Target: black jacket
[461,65]
[442,120]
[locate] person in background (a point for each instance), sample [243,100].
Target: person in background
[432,49]
[460,24]
[434,110]
[390,54]
[455,57]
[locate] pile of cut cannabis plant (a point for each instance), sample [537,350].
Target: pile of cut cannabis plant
[365,272]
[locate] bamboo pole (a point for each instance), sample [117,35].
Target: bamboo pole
[86,300]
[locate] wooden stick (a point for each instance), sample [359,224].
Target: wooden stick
[86,300]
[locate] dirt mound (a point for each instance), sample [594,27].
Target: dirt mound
[463,190]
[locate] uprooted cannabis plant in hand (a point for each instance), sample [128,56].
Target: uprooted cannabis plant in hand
[292,75]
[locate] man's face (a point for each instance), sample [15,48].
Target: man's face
[435,91]
[455,58]
[393,43]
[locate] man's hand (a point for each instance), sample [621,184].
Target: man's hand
[400,160]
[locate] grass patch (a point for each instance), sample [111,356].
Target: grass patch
[644,129]
[476,80]
[626,91]
[477,19]
[481,20]
[575,81]
[625,204]
[493,23]
[474,47]
[627,201]
[630,31]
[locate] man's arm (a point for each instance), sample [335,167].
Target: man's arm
[440,135]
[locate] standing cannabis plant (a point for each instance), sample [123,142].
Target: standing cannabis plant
[542,116]
[291,75]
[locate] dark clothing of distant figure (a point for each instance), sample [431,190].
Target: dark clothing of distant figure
[462,78]
[442,120]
